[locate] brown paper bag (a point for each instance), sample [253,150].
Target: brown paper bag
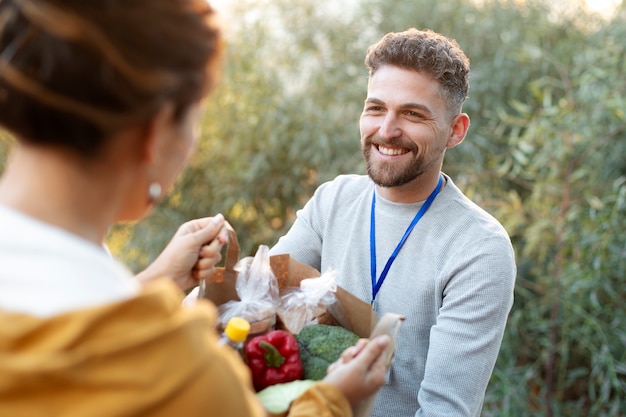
[348,311]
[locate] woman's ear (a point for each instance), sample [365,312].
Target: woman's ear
[154,134]
[459,126]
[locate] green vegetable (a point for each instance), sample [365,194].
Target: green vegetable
[321,345]
[276,398]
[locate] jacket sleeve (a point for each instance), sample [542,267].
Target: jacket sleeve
[321,400]
[144,356]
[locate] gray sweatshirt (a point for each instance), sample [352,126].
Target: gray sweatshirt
[453,279]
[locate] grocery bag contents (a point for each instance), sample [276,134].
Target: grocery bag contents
[321,345]
[301,306]
[257,289]
[273,358]
[301,322]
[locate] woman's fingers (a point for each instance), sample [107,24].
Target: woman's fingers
[364,374]
[348,354]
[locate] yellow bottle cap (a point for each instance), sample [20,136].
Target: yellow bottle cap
[237,329]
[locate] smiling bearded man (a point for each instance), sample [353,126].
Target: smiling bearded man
[389,124]
[446,264]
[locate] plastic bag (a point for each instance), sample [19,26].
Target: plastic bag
[302,306]
[257,289]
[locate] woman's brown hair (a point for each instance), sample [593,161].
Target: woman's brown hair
[74,71]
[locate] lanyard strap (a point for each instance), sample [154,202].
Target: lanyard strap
[376,284]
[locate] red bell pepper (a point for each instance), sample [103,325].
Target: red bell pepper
[274,358]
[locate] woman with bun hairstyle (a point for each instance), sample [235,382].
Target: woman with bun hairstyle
[103,98]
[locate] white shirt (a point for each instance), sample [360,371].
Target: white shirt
[45,270]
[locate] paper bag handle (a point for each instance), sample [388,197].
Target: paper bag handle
[232,249]
[232,257]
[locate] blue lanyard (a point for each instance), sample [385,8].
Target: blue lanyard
[377,284]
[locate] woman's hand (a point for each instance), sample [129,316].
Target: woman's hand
[192,253]
[361,369]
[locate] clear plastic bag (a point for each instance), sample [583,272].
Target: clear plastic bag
[257,289]
[301,306]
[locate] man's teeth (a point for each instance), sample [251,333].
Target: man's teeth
[391,151]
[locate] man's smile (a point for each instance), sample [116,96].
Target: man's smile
[391,151]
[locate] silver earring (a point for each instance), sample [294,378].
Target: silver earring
[154,191]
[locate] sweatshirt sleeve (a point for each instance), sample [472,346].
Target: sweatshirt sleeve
[466,338]
[303,241]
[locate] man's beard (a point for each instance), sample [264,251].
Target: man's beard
[387,174]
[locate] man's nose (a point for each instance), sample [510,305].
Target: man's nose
[389,127]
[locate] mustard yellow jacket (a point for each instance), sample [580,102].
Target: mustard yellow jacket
[146,356]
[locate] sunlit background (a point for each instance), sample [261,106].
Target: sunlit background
[544,155]
[603,7]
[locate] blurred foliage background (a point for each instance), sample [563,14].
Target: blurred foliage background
[546,154]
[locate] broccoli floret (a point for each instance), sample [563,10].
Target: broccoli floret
[321,345]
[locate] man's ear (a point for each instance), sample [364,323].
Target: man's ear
[154,133]
[459,126]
